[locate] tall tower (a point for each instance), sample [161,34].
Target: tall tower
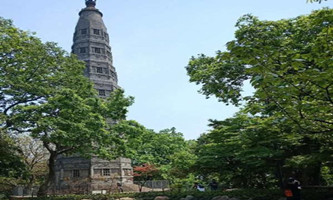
[91,44]
[93,175]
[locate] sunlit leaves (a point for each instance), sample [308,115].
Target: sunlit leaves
[287,123]
[288,63]
[44,93]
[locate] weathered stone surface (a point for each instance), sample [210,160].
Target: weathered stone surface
[94,175]
[126,198]
[221,198]
[188,197]
[161,198]
[91,44]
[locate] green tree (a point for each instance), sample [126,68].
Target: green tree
[167,150]
[12,167]
[245,151]
[182,161]
[288,63]
[43,92]
[146,146]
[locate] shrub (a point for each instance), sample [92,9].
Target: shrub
[242,194]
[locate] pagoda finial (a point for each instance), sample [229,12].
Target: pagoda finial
[91,3]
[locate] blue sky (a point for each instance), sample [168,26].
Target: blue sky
[152,41]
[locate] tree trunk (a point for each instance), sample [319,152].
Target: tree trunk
[312,175]
[279,174]
[43,190]
[31,183]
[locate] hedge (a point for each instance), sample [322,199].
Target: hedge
[242,194]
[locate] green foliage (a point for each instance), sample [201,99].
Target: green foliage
[183,183]
[307,194]
[244,151]
[13,170]
[286,126]
[161,149]
[166,150]
[288,62]
[11,164]
[75,197]
[327,174]
[44,93]
[117,105]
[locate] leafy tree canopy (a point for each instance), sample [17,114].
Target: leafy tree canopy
[286,126]
[287,62]
[11,163]
[43,92]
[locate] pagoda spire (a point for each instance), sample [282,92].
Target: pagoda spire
[91,3]
[91,44]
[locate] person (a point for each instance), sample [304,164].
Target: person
[213,185]
[198,187]
[195,186]
[119,187]
[293,189]
[201,188]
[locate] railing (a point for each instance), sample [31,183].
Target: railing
[25,191]
[154,185]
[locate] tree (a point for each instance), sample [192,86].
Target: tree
[167,150]
[247,151]
[43,92]
[35,158]
[144,173]
[182,162]
[288,63]
[12,167]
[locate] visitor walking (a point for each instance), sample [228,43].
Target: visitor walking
[213,185]
[198,187]
[119,187]
[293,189]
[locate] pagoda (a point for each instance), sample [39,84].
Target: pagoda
[75,174]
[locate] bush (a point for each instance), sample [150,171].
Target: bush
[317,194]
[242,194]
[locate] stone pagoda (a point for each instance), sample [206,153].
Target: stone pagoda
[91,44]
[75,174]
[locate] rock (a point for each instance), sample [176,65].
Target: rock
[188,197]
[161,198]
[234,198]
[221,198]
[126,198]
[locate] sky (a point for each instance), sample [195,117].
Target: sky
[152,42]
